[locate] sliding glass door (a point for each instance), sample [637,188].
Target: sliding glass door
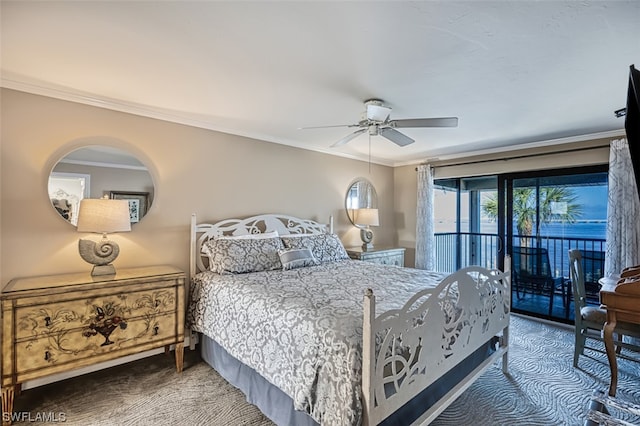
[549,213]
[536,218]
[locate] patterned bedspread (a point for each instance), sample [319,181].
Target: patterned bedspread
[302,329]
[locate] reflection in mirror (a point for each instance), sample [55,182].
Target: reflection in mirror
[66,190]
[360,195]
[361,203]
[98,171]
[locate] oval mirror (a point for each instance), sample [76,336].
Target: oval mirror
[360,195]
[99,171]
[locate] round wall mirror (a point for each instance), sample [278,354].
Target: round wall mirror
[361,195]
[99,171]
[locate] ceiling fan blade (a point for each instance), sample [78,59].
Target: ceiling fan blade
[349,137]
[328,127]
[395,136]
[377,112]
[426,122]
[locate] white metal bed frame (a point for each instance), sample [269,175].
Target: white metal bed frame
[465,311]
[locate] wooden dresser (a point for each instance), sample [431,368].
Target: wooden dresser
[52,324]
[621,299]
[382,255]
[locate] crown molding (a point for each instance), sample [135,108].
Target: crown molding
[612,134]
[72,95]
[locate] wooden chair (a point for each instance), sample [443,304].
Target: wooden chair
[590,320]
[593,270]
[532,272]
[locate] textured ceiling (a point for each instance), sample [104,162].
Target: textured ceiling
[514,72]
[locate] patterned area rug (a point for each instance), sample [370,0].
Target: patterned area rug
[542,388]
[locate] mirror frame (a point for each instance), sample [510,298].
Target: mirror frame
[144,197]
[371,198]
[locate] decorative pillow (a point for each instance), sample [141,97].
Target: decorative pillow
[241,255]
[272,234]
[296,258]
[325,247]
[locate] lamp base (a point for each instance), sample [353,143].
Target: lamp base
[100,254]
[366,235]
[99,270]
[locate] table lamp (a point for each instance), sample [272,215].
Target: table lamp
[102,216]
[366,218]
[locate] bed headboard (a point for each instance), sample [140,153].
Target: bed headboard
[283,224]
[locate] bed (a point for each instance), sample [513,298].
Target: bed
[313,337]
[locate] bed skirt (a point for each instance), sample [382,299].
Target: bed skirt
[275,404]
[278,406]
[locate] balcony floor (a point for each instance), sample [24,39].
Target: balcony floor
[538,305]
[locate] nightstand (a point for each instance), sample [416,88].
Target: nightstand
[57,323]
[380,255]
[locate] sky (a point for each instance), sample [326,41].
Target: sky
[592,198]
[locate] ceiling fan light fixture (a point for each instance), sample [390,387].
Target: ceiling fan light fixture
[377,113]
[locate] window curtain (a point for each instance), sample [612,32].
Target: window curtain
[425,239]
[623,211]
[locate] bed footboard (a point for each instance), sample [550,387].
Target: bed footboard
[408,349]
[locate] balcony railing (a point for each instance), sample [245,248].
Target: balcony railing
[458,250]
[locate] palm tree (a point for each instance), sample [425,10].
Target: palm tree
[556,203]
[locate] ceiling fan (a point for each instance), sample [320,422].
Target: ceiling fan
[375,120]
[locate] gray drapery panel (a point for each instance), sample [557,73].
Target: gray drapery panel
[425,239]
[623,211]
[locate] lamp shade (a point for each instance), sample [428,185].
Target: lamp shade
[103,216]
[367,217]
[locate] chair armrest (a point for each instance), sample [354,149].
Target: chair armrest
[630,272]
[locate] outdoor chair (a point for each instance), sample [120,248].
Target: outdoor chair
[590,320]
[532,273]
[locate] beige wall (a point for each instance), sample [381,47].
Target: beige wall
[212,174]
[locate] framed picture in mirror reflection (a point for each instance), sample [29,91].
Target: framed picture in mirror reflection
[138,203]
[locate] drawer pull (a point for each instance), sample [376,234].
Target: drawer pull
[47,356]
[155,330]
[47,321]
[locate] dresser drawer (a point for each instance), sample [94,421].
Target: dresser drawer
[397,260]
[34,320]
[73,345]
[381,256]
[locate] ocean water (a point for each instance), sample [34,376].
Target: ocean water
[590,229]
[583,229]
